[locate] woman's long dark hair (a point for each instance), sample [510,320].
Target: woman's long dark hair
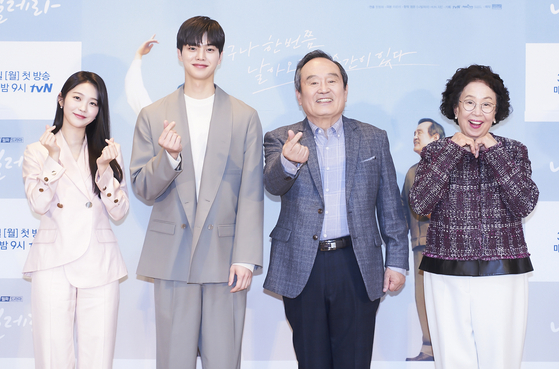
[96,131]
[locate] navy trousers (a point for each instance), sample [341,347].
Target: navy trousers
[333,320]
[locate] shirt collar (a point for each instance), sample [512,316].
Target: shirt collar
[337,128]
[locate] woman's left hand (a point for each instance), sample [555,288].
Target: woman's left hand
[109,153]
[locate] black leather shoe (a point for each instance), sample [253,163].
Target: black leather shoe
[421,357]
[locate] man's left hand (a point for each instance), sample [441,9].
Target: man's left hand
[244,277]
[393,281]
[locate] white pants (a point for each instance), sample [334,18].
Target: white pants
[56,305]
[477,322]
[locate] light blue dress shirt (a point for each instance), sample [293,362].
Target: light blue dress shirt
[330,149]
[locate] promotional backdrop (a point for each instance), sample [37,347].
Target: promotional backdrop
[398,55]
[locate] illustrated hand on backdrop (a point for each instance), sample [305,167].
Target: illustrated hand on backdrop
[145,47]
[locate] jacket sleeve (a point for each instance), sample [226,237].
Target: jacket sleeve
[513,172]
[41,174]
[390,215]
[247,247]
[276,180]
[431,182]
[151,172]
[114,194]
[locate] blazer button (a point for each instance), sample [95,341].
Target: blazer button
[116,200]
[315,237]
[109,194]
[46,179]
[88,204]
[319,211]
[41,190]
[183,226]
[60,205]
[211,226]
[104,188]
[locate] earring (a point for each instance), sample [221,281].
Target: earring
[455,117]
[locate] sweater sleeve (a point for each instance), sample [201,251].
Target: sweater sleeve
[510,166]
[431,182]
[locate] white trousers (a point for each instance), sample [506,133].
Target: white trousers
[477,322]
[56,305]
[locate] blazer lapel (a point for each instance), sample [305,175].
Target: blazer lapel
[312,163]
[72,171]
[185,182]
[352,143]
[215,160]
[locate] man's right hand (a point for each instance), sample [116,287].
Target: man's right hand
[293,150]
[170,140]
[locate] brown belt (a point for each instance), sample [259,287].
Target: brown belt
[334,244]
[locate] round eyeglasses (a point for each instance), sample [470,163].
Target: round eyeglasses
[486,107]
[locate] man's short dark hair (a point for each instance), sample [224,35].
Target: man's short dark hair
[192,32]
[310,56]
[434,128]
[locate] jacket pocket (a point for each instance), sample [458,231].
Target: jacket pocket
[369,159]
[226,230]
[105,235]
[280,234]
[162,226]
[45,236]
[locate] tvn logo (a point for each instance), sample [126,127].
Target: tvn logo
[11,298]
[11,140]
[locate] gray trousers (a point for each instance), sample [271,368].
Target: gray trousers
[189,317]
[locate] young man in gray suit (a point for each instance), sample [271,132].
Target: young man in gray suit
[336,177]
[197,157]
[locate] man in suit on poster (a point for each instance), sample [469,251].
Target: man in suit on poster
[197,157]
[336,177]
[426,132]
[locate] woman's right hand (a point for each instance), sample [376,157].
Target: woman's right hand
[49,142]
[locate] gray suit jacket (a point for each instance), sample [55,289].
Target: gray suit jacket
[371,189]
[197,241]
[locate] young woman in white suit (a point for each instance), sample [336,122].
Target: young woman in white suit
[74,178]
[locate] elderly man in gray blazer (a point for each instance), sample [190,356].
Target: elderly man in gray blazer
[203,174]
[339,202]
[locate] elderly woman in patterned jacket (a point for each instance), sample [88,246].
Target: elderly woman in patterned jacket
[477,187]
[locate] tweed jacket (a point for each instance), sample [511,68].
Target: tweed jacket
[373,208]
[476,204]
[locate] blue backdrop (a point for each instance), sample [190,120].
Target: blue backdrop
[398,55]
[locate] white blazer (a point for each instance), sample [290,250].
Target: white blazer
[75,231]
